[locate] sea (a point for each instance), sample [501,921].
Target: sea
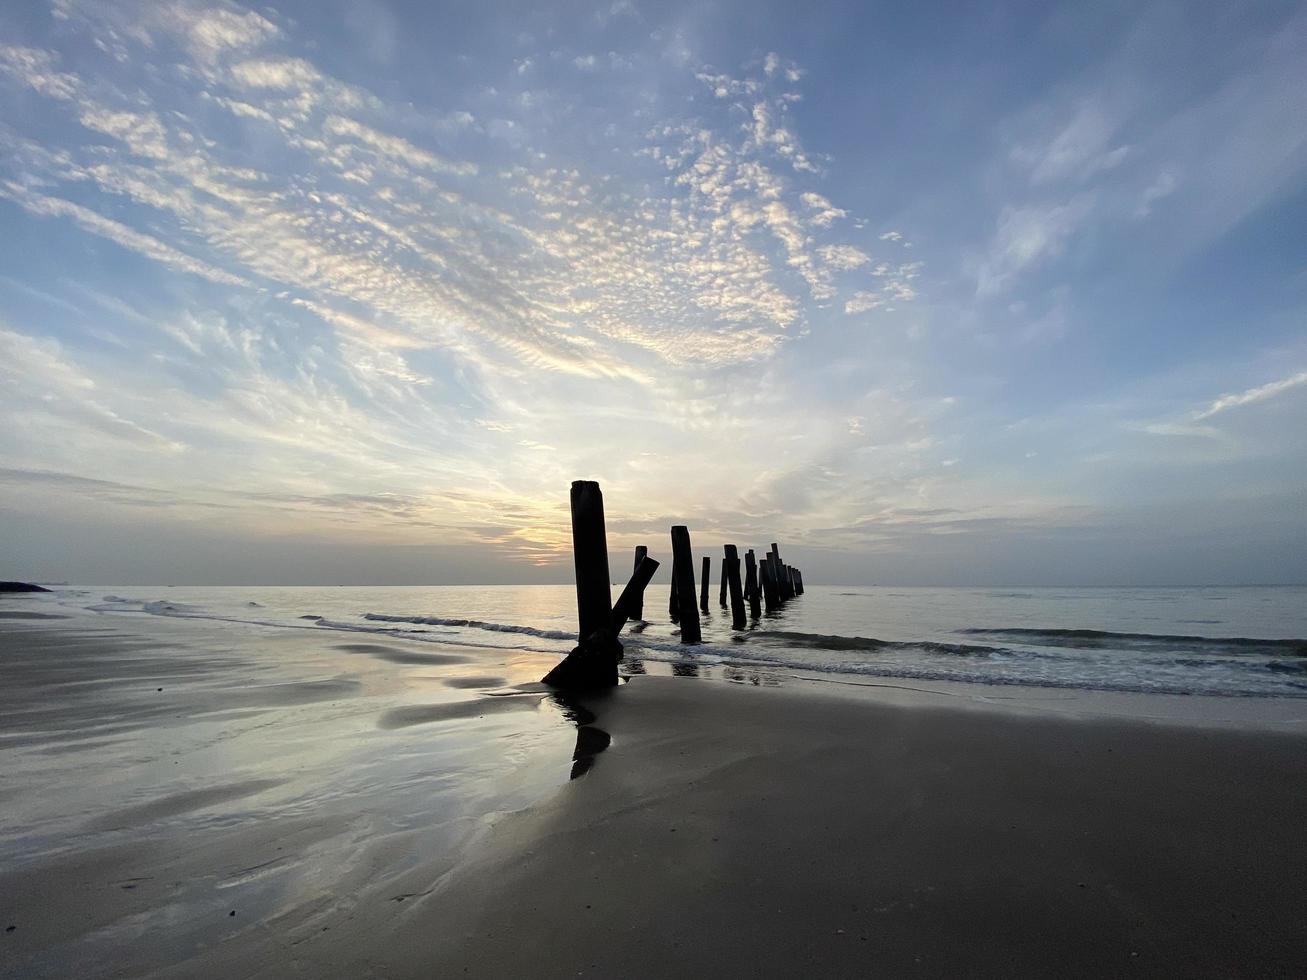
[1237,642]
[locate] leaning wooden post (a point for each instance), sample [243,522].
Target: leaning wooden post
[683,576]
[768,583]
[751,583]
[594,661]
[721,594]
[703,584]
[732,569]
[798,581]
[637,609]
[632,597]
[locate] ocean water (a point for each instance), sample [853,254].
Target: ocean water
[1246,642]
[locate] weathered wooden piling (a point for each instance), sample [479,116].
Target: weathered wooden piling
[594,600]
[731,567]
[751,583]
[632,597]
[673,601]
[594,661]
[683,576]
[637,610]
[768,583]
[798,581]
[703,584]
[721,593]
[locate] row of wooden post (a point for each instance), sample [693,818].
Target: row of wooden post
[769,582]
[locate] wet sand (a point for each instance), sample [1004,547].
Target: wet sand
[769,827]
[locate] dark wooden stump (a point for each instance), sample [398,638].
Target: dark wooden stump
[683,576]
[632,596]
[637,610]
[594,600]
[751,583]
[673,601]
[721,593]
[731,568]
[594,661]
[703,584]
[768,583]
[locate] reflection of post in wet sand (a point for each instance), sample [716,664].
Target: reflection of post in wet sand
[590,740]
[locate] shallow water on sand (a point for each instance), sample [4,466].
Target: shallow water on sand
[168,786]
[1226,641]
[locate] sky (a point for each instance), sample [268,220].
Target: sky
[350,292]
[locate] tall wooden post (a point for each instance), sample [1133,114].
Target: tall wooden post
[637,607]
[683,575]
[751,583]
[673,603]
[721,594]
[593,663]
[768,583]
[732,570]
[798,581]
[594,601]
[703,584]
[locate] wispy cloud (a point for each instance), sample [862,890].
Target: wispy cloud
[1251,395]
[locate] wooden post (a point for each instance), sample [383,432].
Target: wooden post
[632,596]
[798,581]
[751,583]
[703,584]
[594,601]
[768,583]
[721,594]
[673,603]
[732,570]
[594,661]
[637,609]
[683,576]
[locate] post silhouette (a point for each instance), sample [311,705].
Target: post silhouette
[632,596]
[683,576]
[673,602]
[751,583]
[721,593]
[732,570]
[703,584]
[593,663]
[637,608]
[594,600]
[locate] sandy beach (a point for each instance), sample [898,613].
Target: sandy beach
[300,803]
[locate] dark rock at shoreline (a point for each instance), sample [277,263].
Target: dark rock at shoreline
[20,587]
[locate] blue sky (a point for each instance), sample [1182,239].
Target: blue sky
[1007,293]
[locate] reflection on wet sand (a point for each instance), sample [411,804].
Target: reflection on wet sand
[486,681]
[422,714]
[590,741]
[398,655]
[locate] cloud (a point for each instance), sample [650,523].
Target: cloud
[1026,237]
[128,238]
[826,213]
[1078,150]
[1252,395]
